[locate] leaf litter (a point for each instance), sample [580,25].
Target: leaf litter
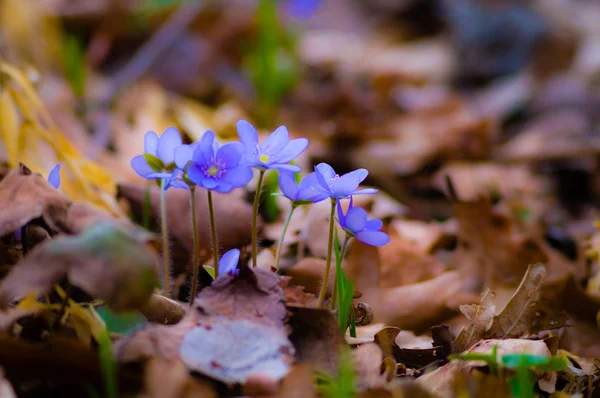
[486,159]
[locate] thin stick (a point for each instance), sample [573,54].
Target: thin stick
[165,236]
[195,259]
[285,227]
[329,250]
[255,216]
[213,228]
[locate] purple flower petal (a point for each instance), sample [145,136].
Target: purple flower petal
[348,183]
[289,167]
[275,142]
[54,176]
[292,150]
[248,137]
[183,155]
[223,187]
[195,174]
[140,166]
[230,155]
[150,143]
[204,152]
[373,238]
[209,183]
[325,174]
[229,262]
[168,141]
[287,184]
[374,225]
[366,191]
[356,219]
[308,182]
[238,176]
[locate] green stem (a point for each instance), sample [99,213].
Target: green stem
[329,250]
[255,215]
[165,235]
[146,208]
[342,254]
[195,260]
[285,227]
[213,228]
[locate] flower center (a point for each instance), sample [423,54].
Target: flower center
[213,171]
[264,158]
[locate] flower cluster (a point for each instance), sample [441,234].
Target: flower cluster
[222,168]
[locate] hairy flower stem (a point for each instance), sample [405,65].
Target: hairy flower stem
[329,250]
[342,255]
[213,228]
[285,227]
[255,216]
[165,236]
[195,260]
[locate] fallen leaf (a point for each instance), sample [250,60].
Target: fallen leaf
[163,310]
[25,196]
[6,390]
[368,359]
[104,261]
[525,313]
[180,382]
[316,338]
[480,315]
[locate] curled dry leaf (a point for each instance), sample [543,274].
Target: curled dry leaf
[104,261]
[368,360]
[232,214]
[524,313]
[410,357]
[25,196]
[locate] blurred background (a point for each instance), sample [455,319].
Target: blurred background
[400,87]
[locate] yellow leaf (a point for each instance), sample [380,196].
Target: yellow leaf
[9,127]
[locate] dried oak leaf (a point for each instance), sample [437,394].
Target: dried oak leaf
[524,313]
[480,315]
[25,196]
[411,357]
[104,261]
[233,217]
[412,307]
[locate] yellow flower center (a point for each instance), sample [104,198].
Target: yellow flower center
[264,158]
[213,171]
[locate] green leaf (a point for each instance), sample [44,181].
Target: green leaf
[342,386]
[490,359]
[210,270]
[123,323]
[74,64]
[269,204]
[154,162]
[107,364]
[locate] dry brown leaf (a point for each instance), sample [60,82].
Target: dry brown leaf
[104,261]
[179,382]
[298,383]
[25,196]
[316,337]
[368,359]
[525,313]
[480,315]
[163,310]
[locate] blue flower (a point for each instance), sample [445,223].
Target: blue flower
[173,179]
[335,186]
[302,193]
[302,9]
[54,176]
[159,153]
[220,169]
[275,152]
[356,224]
[229,262]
